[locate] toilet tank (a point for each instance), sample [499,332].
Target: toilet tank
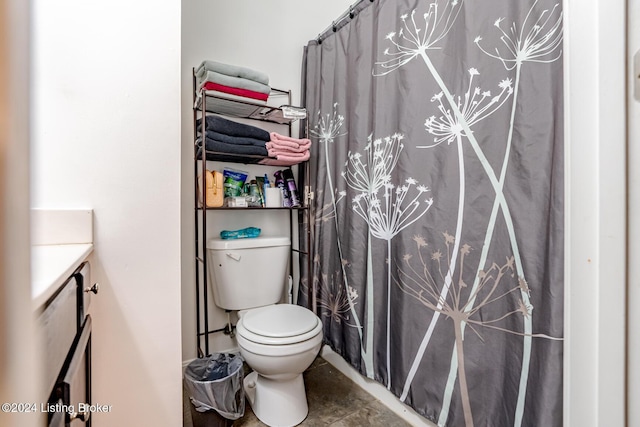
[247,273]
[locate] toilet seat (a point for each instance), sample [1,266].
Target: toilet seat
[279,324]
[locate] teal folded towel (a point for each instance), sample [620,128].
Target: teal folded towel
[240,234]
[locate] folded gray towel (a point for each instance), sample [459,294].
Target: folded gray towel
[233,70]
[237,82]
[231,128]
[222,147]
[239,140]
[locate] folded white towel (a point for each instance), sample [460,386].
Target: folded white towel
[233,70]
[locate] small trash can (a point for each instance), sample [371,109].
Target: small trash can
[214,384]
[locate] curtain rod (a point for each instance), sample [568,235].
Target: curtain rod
[349,13]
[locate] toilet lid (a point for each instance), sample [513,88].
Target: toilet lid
[280,321]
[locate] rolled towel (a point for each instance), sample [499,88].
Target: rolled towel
[236,82]
[284,160]
[290,154]
[233,70]
[282,142]
[229,127]
[284,148]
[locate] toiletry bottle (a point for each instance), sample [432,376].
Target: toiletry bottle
[254,194]
[264,189]
[260,184]
[293,190]
[286,198]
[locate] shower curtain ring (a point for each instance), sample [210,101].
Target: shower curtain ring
[351,14]
[333,26]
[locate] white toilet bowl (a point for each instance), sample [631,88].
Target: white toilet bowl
[278,342]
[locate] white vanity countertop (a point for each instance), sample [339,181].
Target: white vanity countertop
[51,266]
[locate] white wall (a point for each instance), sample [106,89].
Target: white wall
[266,36]
[106,136]
[595,213]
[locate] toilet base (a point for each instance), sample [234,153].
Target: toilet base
[277,403]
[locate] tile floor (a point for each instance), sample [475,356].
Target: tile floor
[334,400]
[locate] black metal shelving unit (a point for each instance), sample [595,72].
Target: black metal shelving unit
[205,102]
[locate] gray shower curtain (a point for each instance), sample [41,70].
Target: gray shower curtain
[437,172]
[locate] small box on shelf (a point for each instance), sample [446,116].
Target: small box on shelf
[236,202]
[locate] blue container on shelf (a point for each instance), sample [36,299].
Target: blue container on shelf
[243,233]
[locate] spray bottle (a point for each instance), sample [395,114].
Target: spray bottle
[286,198]
[293,190]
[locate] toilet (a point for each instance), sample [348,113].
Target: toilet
[278,341]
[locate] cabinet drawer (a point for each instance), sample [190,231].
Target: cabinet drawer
[58,323]
[74,388]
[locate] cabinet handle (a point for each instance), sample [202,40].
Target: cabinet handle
[95,288]
[82,416]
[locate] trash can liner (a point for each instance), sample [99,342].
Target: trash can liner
[215,382]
